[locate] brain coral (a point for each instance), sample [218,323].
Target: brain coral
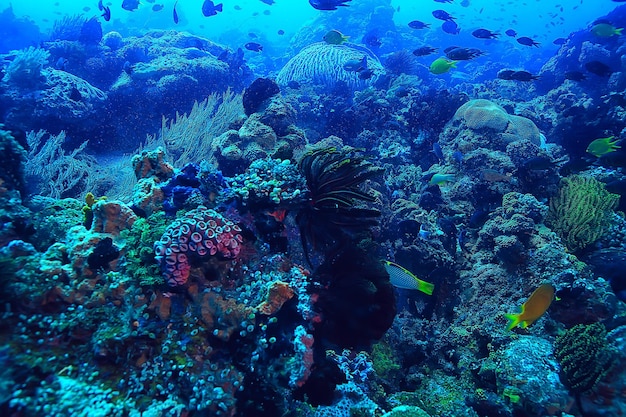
[322,63]
[200,234]
[484,114]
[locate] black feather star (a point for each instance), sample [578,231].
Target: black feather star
[333,215]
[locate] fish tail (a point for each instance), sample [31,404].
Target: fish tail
[425,287]
[618,31]
[219,7]
[514,320]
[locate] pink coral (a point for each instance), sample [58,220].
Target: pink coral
[200,234]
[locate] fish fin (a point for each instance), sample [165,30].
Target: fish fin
[219,7]
[618,31]
[514,320]
[425,287]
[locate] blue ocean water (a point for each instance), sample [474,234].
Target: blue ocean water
[261,208]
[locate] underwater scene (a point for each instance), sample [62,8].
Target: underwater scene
[313,208]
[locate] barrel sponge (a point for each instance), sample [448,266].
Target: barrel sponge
[322,64]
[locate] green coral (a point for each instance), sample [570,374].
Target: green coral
[384,360]
[585,355]
[139,255]
[581,211]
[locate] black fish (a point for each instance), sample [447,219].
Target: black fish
[484,34]
[575,76]
[559,41]
[130,5]
[281,32]
[511,32]
[517,75]
[450,26]
[253,46]
[107,13]
[424,50]
[599,68]
[525,40]
[462,54]
[328,4]
[416,24]
[616,187]
[442,15]
[210,9]
[174,14]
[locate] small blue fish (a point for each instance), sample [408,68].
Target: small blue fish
[106,14]
[157,7]
[458,156]
[450,27]
[437,151]
[253,46]
[130,5]
[442,15]
[356,65]
[210,9]
[174,14]
[328,4]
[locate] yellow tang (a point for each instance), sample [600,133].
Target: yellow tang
[606,30]
[533,308]
[334,37]
[403,278]
[603,146]
[441,65]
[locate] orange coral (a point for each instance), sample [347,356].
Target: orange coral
[278,293]
[112,217]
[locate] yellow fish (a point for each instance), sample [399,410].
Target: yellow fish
[441,65]
[606,30]
[439,179]
[533,308]
[334,37]
[603,146]
[403,278]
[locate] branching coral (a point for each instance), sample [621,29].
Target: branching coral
[581,211]
[585,355]
[25,69]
